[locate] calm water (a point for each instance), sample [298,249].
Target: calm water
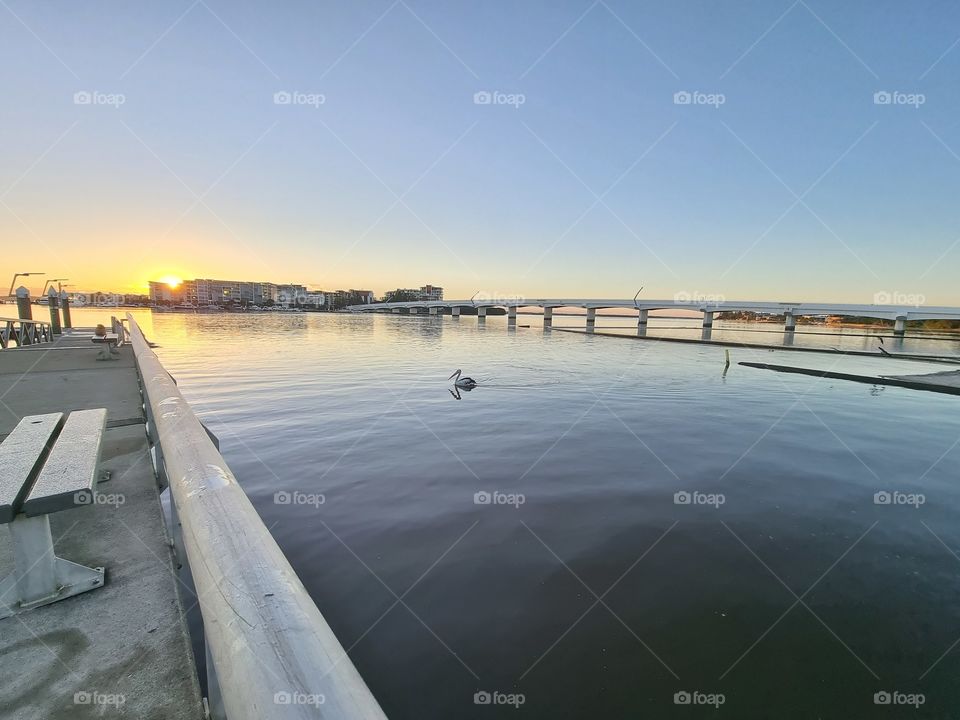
[599,596]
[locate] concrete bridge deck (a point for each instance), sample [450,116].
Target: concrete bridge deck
[121,650]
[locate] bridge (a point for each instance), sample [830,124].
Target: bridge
[898,314]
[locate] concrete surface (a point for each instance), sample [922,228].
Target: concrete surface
[121,650]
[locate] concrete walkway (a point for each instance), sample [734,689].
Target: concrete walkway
[121,650]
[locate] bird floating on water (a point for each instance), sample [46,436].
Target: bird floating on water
[467,383]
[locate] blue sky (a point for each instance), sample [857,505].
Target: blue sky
[798,186]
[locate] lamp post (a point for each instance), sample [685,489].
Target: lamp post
[16,275]
[51,281]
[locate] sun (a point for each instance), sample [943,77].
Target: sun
[172,280]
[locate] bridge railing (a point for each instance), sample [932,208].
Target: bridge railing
[24,331]
[270,653]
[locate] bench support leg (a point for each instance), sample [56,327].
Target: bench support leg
[41,577]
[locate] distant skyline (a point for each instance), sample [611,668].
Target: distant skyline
[799,150]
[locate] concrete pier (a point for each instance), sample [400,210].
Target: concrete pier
[547,318]
[481,314]
[642,318]
[591,319]
[707,319]
[455,311]
[122,650]
[433,310]
[511,317]
[789,322]
[900,326]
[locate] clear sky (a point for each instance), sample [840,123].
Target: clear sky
[783,178]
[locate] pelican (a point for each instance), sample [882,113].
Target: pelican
[467,383]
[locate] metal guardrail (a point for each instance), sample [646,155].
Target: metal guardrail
[24,331]
[270,653]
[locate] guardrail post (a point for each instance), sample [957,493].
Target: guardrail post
[214,694]
[24,311]
[65,307]
[52,299]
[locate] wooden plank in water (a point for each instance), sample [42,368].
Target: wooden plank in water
[869,379]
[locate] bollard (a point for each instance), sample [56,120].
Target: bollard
[65,307]
[52,299]
[24,311]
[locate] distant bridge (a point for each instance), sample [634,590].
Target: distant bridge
[898,314]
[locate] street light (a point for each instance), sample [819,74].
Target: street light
[16,275]
[51,281]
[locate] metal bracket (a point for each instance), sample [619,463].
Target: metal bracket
[40,577]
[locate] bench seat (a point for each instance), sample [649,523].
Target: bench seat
[69,476]
[47,464]
[21,457]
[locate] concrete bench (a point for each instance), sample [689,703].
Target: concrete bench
[109,342]
[47,464]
